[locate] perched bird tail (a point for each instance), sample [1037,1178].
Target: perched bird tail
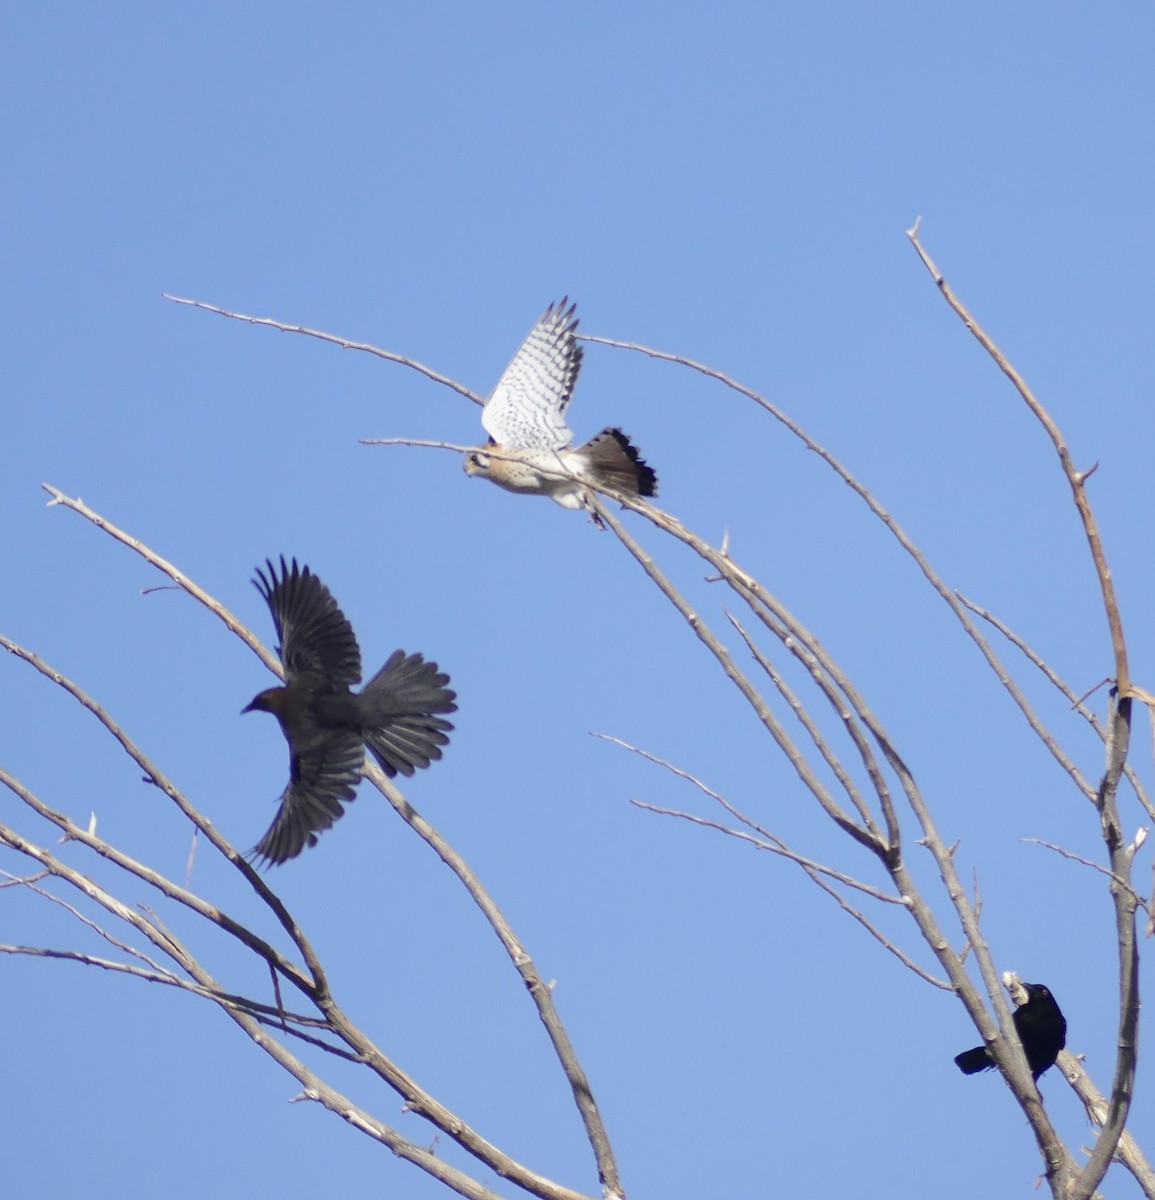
[970,1062]
[397,707]
[616,463]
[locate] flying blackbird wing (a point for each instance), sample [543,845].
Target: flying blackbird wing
[397,707]
[526,410]
[315,636]
[323,774]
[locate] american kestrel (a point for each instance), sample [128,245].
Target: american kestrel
[326,724]
[530,446]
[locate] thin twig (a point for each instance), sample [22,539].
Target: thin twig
[770,841]
[765,839]
[753,697]
[1076,702]
[261,1012]
[806,721]
[1075,478]
[1086,862]
[344,343]
[815,871]
[173,890]
[99,930]
[174,573]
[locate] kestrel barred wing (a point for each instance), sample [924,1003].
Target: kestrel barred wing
[526,410]
[531,448]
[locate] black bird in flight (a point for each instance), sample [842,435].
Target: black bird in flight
[326,724]
[1041,1027]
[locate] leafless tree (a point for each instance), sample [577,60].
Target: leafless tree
[817,718]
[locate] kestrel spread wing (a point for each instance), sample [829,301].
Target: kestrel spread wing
[526,410]
[315,636]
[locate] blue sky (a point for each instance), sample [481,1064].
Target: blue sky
[732,187]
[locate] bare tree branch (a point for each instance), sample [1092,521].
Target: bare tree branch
[344,343]
[904,540]
[182,895]
[416,1098]
[765,841]
[1106,796]
[537,988]
[704,634]
[1086,862]
[1075,478]
[1076,702]
[31,882]
[815,734]
[873,824]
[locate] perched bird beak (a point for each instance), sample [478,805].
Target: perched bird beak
[251,706]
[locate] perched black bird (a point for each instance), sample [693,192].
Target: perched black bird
[1041,1027]
[326,725]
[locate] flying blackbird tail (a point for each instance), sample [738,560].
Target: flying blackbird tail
[397,707]
[970,1062]
[616,463]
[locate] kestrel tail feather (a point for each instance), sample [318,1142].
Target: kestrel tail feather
[616,463]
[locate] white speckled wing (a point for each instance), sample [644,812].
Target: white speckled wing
[526,411]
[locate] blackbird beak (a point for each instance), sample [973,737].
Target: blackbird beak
[251,706]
